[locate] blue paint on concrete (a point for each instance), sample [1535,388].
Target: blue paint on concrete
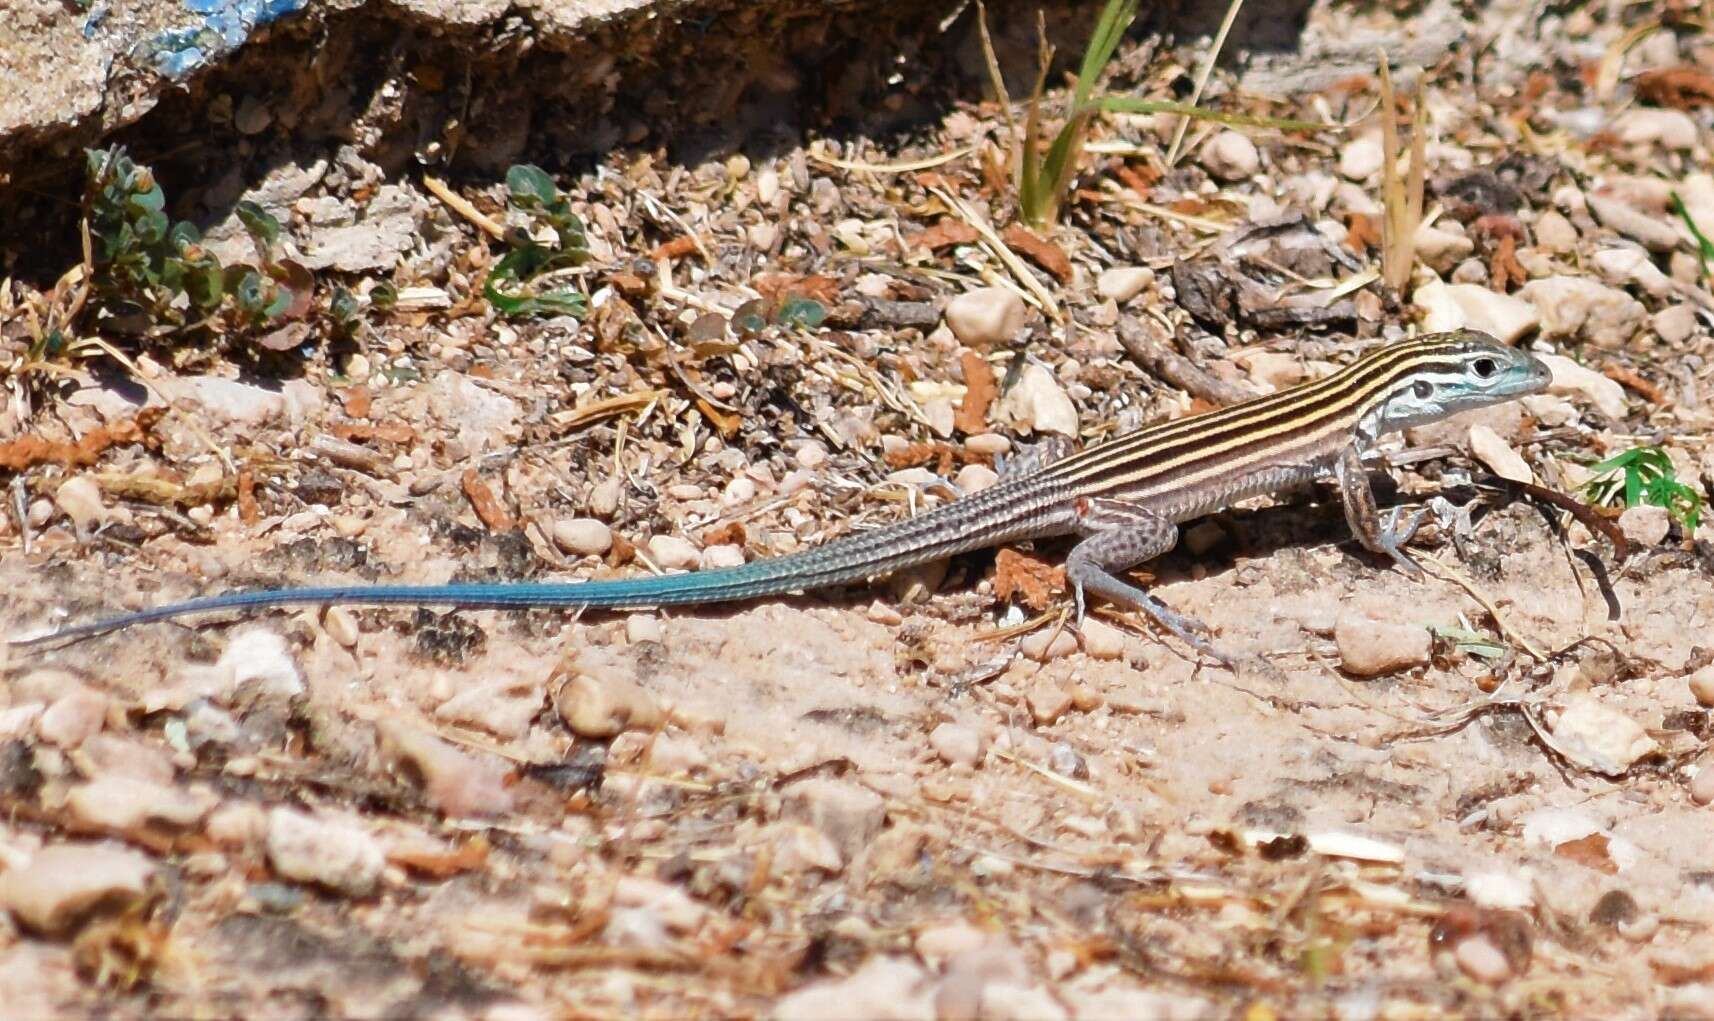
[219,27]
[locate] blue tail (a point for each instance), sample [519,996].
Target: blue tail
[991,516]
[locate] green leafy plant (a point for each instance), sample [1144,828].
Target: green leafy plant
[530,191]
[1644,475]
[151,274]
[1043,178]
[1704,247]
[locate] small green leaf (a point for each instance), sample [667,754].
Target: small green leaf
[530,186]
[384,295]
[183,235]
[343,306]
[251,292]
[259,223]
[151,227]
[800,311]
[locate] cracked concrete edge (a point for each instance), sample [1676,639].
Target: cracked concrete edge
[71,76]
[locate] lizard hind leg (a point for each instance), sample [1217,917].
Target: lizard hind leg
[1119,536]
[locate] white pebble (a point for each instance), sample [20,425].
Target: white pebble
[671,552]
[738,492]
[1370,648]
[986,316]
[1101,640]
[1554,233]
[1584,309]
[1440,248]
[811,455]
[1597,737]
[604,497]
[61,883]
[1573,380]
[988,444]
[79,498]
[1048,643]
[1670,129]
[335,855]
[1230,156]
[1460,306]
[642,627]
[973,478]
[1479,958]
[584,537]
[1037,402]
[1645,524]
[723,555]
[341,626]
[956,744]
[1122,283]
[1702,687]
[1361,158]
[1498,455]
[1702,784]
[1675,323]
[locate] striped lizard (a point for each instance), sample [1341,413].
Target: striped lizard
[1124,497]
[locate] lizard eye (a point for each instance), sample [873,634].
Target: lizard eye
[1485,367]
[1423,390]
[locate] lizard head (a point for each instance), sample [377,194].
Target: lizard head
[1433,377]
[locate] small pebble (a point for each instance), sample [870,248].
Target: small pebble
[336,855]
[1457,306]
[584,537]
[986,317]
[957,744]
[988,444]
[1702,687]
[1669,129]
[1122,283]
[1498,455]
[1573,380]
[1047,701]
[341,626]
[848,814]
[1675,323]
[504,708]
[1370,648]
[1702,784]
[1554,233]
[1585,309]
[1101,640]
[601,708]
[1048,643]
[1440,248]
[457,783]
[1230,156]
[642,627]
[72,718]
[721,556]
[63,883]
[811,455]
[670,552]
[1599,737]
[79,498]
[604,498]
[1361,158]
[1645,524]
[1479,958]
[884,614]
[973,478]
[1038,403]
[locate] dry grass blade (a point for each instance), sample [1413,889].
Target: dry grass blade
[1202,75]
[1400,196]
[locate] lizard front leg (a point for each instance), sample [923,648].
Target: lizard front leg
[1119,536]
[1030,458]
[1365,518]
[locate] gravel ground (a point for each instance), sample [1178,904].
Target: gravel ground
[1481,793]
